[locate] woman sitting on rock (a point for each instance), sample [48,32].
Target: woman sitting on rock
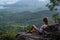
[40,31]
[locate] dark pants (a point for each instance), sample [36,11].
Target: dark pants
[40,33]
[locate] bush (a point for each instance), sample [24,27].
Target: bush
[8,35]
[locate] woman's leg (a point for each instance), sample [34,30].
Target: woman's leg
[33,29]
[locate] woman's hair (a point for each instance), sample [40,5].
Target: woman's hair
[45,20]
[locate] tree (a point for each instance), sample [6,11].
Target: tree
[53,4]
[53,7]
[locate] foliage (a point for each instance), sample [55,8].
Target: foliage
[8,35]
[25,27]
[53,4]
[55,17]
[53,7]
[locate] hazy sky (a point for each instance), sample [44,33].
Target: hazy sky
[32,2]
[4,2]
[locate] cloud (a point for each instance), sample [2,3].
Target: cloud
[42,0]
[46,1]
[4,2]
[2,7]
[23,3]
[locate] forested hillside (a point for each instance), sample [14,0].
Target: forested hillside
[23,17]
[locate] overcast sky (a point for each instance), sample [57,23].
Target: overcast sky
[4,2]
[9,2]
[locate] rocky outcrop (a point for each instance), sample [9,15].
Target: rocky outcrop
[28,36]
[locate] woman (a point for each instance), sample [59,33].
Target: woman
[44,26]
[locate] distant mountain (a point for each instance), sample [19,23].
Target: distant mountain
[18,9]
[25,17]
[24,3]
